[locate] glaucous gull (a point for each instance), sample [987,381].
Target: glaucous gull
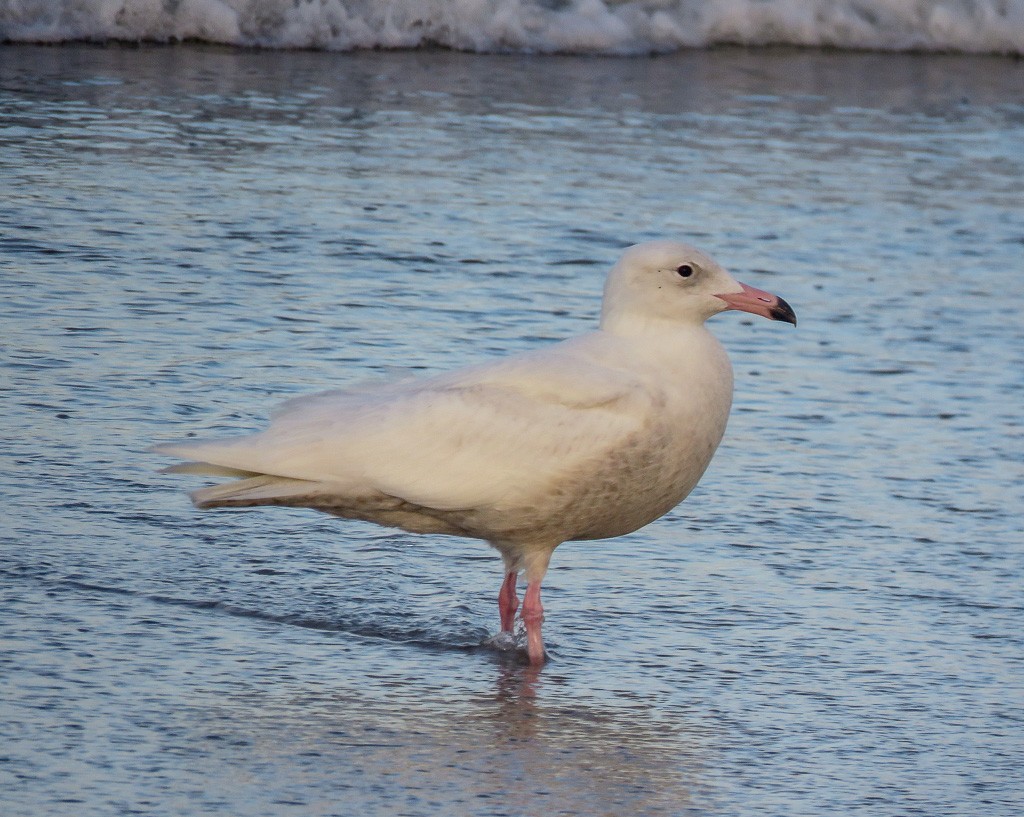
[589,438]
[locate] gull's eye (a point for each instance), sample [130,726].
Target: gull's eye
[684,270]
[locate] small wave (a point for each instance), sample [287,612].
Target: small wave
[543,26]
[409,633]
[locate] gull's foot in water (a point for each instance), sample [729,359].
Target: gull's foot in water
[504,642]
[512,647]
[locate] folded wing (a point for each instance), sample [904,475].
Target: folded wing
[487,436]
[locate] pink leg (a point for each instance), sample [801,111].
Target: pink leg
[508,602]
[533,615]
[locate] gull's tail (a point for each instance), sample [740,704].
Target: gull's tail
[247,488]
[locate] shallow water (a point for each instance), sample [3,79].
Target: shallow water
[831,624]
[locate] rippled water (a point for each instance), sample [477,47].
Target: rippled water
[831,624]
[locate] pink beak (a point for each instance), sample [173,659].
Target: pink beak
[759,302]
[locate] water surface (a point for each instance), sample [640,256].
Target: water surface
[831,624]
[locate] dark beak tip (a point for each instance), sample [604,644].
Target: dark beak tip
[782,311]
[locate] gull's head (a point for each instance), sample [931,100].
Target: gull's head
[667,281]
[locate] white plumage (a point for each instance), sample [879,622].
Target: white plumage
[586,439]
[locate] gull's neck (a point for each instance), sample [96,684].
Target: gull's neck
[635,325]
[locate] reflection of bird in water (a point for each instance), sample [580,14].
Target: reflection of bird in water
[562,753]
[590,438]
[409,745]
[518,683]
